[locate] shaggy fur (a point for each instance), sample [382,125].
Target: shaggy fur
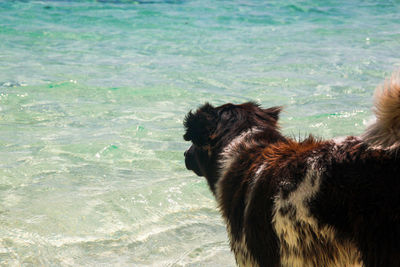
[302,203]
[385,133]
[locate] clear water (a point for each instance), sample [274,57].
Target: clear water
[92,98]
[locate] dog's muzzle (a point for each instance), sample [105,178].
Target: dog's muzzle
[191,161]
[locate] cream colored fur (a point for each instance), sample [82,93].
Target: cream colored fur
[345,253]
[385,132]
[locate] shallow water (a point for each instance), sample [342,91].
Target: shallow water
[92,98]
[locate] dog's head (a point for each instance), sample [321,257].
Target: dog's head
[212,128]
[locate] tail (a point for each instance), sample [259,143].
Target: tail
[385,132]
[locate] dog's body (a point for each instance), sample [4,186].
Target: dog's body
[308,203]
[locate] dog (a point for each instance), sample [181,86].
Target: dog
[310,202]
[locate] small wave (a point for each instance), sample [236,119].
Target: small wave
[12,84]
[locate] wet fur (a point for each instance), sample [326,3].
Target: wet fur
[301,203]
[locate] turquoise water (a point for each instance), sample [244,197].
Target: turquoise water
[92,98]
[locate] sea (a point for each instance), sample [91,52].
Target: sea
[93,95]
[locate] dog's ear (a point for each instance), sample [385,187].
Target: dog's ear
[200,125]
[273,112]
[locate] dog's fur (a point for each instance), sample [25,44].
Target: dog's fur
[302,203]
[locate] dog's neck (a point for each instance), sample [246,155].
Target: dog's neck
[253,138]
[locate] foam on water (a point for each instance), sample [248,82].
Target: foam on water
[92,98]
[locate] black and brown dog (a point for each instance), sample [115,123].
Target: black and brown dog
[308,203]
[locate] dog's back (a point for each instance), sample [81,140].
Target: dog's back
[360,197]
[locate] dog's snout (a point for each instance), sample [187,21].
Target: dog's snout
[191,161]
[188,151]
